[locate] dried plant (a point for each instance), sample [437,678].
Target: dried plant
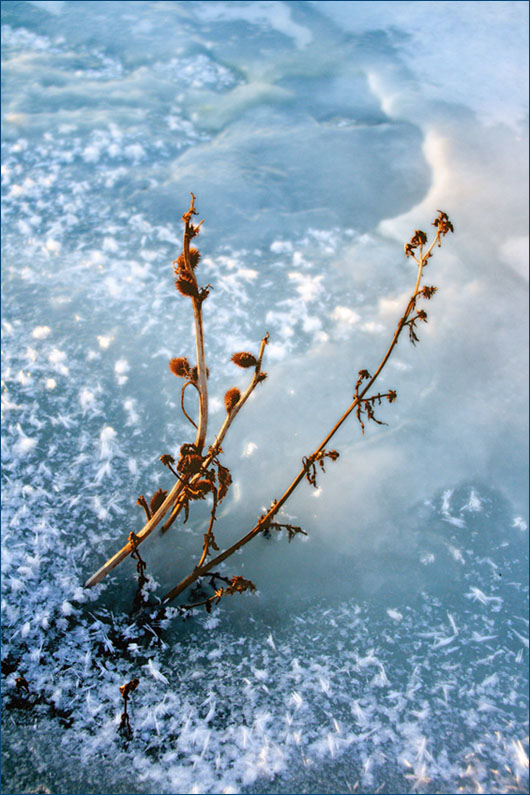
[199,474]
[125,724]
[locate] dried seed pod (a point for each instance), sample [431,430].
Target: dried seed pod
[194,258]
[244,359]
[180,367]
[156,500]
[428,292]
[232,398]
[186,286]
[443,223]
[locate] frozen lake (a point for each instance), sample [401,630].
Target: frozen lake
[387,651]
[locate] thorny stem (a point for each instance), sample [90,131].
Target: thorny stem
[265,520]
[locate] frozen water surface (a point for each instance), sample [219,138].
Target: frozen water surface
[388,651]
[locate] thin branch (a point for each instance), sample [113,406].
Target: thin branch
[209,538]
[190,232]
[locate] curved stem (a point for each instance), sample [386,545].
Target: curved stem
[182,402]
[189,232]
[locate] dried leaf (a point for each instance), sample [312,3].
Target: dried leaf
[225,481]
[239,585]
[189,463]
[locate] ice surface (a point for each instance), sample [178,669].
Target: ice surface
[389,650]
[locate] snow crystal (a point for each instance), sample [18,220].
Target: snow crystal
[41,332]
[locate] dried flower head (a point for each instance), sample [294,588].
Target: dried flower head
[157,499]
[428,292]
[142,502]
[244,359]
[443,223]
[189,463]
[181,263]
[128,688]
[180,367]
[419,238]
[232,398]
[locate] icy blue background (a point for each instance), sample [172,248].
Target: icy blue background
[388,651]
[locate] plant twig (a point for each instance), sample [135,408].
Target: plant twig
[188,282]
[176,498]
[195,478]
[443,225]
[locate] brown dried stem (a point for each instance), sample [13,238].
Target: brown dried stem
[176,497]
[190,231]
